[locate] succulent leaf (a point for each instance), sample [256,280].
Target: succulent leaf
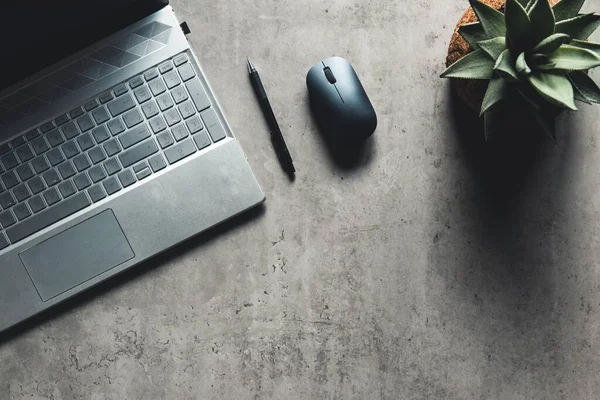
[555,88]
[545,122]
[595,47]
[542,61]
[518,27]
[475,65]
[493,47]
[492,20]
[522,67]
[566,9]
[571,58]
[472,33]
[496,91]
[542,20]
[585,85]
[531,96]
[505,66]
[551,43]
[580,27]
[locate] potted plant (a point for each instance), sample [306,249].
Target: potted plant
[508,53]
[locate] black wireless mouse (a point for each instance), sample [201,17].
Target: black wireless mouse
[339,101]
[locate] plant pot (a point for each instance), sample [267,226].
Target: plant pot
[470,91]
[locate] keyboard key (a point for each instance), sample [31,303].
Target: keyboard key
[7,200]
[55,138]
[70,149]
[151,74]
[47,127]
[158,124]
[164,102]
[121,104]
[85,142]
[116,126]
[51,177]
[85,123]
[165,67]
[132,118]
[180,59]
[198,94]
[135,82]
[51,196]
[112,147]
[165,139]
[120,90]
[55,157]
[40,164]
[180,132]
[171,79]
[70,130]
[25,153]
[187,110]
[101,134]
[90,105]
[5,148]
[21,211]
[140,167]
[138,153]
[66,170]
[37,204]
[96,155]
[112,166]
[194,124]
[186,72]
[17,142]
[7,219]
[21,192]
[214,127]
[76,112]
[142,94]
[61,120]
[9,161]
[97,173]
[157,162]
[105,97]
[82,162]
[40,145]
[150,109]
[25,172]
[100,115]
[96,193]
[172,116]
[32,134]
[3,241]
[179,94]
[82,181]
[48,217]
[157,87]
[143,174]
[36,185]
[134,136]
[180,151]
[111,185]
[202,140]
[67,189]
[10,180]
[127,178]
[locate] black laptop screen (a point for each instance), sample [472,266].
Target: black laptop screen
[38,33]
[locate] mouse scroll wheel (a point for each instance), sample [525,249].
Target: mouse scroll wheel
[330,76]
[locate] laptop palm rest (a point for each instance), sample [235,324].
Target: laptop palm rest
[76,255]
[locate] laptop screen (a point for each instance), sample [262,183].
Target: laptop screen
[38,33]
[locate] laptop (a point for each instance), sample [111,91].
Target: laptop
[113,147]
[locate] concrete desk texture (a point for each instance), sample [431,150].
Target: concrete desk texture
[418,272]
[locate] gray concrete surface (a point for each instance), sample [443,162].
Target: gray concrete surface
[416,274]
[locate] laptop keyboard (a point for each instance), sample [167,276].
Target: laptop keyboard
[109,143]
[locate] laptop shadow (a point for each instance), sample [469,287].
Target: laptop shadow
[127,276]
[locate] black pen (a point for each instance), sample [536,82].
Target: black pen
[276,137]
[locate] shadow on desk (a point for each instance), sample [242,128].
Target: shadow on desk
[124,278]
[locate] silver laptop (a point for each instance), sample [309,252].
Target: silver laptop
[108,156]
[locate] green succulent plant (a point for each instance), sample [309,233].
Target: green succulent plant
[533,51]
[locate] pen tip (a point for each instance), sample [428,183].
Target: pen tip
[250,66]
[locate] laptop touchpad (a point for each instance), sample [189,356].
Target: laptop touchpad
[77,255]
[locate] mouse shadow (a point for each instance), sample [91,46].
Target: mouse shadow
[121,280]
[349,155]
